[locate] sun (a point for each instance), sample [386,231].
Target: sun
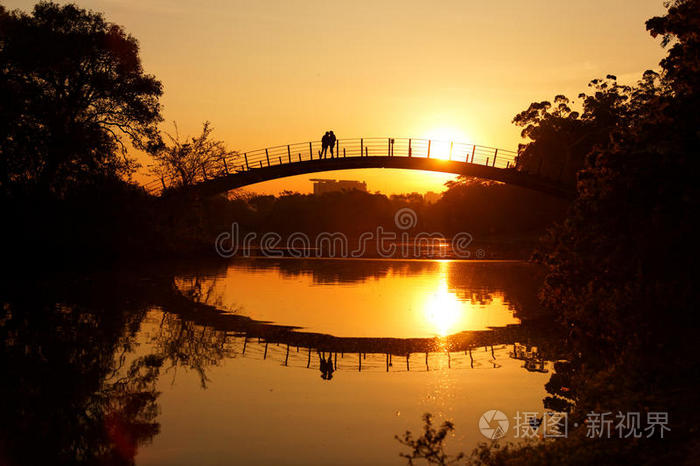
[442,137]
[447,134]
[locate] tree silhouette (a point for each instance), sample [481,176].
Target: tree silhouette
[183,163]
[562,137]
[73,95]
[429,446]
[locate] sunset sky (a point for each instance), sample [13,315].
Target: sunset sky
[275,72]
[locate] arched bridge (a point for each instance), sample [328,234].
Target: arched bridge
[243,169]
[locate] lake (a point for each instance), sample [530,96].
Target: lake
[284,361]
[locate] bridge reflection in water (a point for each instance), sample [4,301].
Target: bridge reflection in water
[232,336]
[310,358]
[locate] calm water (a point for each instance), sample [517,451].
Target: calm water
[221,364]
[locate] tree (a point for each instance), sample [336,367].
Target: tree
[73,95]
[429,446]
[562,137]
[183,163]
[621,269]
[619,257]
[680,28]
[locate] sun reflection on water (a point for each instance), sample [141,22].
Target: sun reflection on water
[443,310]
[401,300]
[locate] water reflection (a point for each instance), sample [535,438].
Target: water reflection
[416,298]
[72,389]
[443,308]
[98,367]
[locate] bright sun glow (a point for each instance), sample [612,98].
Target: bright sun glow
[447,134]
[441,139]
[443,309]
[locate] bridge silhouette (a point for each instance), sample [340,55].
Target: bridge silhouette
[242,169]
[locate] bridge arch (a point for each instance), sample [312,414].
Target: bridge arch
[490,163]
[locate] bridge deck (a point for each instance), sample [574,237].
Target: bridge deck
[271,163]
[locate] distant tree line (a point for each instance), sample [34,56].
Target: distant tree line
[473,206]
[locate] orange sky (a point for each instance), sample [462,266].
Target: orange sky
[276,72]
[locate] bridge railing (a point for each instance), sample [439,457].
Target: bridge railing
[360,147]
[477,357]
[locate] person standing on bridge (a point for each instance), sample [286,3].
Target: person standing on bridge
[325,142]
[331,141]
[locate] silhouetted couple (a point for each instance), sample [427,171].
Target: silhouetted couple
[327,142]
[326,366]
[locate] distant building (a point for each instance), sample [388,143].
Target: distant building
[328,186]
[431,197]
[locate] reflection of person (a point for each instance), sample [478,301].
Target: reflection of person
[331,142]
[325,141]
[326,366]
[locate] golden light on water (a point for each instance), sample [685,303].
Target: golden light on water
[440,298]
[443,310]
